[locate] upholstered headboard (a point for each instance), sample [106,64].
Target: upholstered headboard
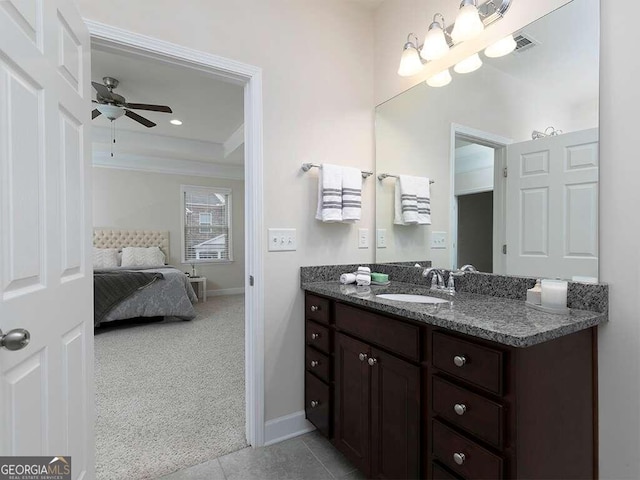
[110,238]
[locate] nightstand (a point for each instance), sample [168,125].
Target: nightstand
[199,284]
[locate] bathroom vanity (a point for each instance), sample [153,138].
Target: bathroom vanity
[478,388]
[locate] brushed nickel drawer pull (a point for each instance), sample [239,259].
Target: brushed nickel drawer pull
[372,361]
[460,360]
[315,336]
[314,363]
[460,408]
[362,357]
[459,458]
[315,308]
[314,403]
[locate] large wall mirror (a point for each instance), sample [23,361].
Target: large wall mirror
[510,195]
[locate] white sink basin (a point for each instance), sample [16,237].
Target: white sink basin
[399,297]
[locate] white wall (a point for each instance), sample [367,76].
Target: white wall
[144,200]
[317,61]
[619,341]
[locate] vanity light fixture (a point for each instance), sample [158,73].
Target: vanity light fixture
[175,121]
[468,22]
[410,63]
[469,64]
[435,44]
[501,48]
[440,79]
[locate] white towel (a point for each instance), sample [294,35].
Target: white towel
[330,193]
[347,278]
[366,270]
[412,201]
[351,194]
[363,279]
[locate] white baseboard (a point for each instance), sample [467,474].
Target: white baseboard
[284,428]
[225,291]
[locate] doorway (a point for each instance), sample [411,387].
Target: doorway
[477,198]
[249,78]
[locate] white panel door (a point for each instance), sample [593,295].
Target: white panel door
[552,206]
[46,287]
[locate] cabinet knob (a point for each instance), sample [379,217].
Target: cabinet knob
[362,357]
[459,458]
[314,363]
[460,408]
[372,361]
[314,403]
[315,336]
[315,308]
[459,360]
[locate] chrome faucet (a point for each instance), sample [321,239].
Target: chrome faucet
[437,277]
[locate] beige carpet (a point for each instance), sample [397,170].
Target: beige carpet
[170,394]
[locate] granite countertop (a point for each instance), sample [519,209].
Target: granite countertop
[501,320]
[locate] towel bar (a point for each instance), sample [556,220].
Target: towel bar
[382,176]
[308,166]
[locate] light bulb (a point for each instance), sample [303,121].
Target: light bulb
[469,64]
[435,44]
[410,63]
[501,47]
[440,79]
[468,23]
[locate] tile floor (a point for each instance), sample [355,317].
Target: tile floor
[308,457]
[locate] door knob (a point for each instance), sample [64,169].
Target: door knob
[460,408]
[362,357]
[314,403]
[372,361]
[315,336]
[314,363]
[315,308]
[459,458]
[15,339]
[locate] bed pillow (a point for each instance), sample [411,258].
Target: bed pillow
[142,257]
[105,257]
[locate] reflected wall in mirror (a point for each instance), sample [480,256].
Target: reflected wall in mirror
[541,219]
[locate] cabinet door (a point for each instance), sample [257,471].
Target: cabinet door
[395,417]
[352,394]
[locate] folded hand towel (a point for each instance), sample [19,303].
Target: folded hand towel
[347,278]
[424,201]
[412,201]
[363,279]
[364,270]
[330,193]
[351,194]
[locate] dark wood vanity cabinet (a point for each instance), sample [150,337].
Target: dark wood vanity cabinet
[406,400]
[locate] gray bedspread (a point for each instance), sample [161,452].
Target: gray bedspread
[171,296]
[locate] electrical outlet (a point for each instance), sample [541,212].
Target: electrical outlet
[438,240]
[282,240]
[363,238]
[381,238]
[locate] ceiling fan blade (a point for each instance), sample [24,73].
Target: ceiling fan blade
[152,108]
[139,119]
[95,113]
[102,90]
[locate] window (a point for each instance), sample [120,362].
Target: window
[206,224]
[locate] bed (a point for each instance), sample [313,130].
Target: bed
[131,292]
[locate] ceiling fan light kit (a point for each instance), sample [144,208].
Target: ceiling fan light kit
[471,21]
[113,106]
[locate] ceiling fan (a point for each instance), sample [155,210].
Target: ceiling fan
[113,106]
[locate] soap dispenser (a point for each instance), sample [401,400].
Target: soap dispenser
[451,286]
[534,295]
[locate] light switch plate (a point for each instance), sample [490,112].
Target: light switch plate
[282,240]
[363,238]
[438,240]
[381,238]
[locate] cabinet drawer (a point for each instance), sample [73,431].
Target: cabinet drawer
[317,406]
[439,473]
[317,363]
[316,308]
[394,335]
[463,456]
[468,361]
[474,413]
[317,336]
